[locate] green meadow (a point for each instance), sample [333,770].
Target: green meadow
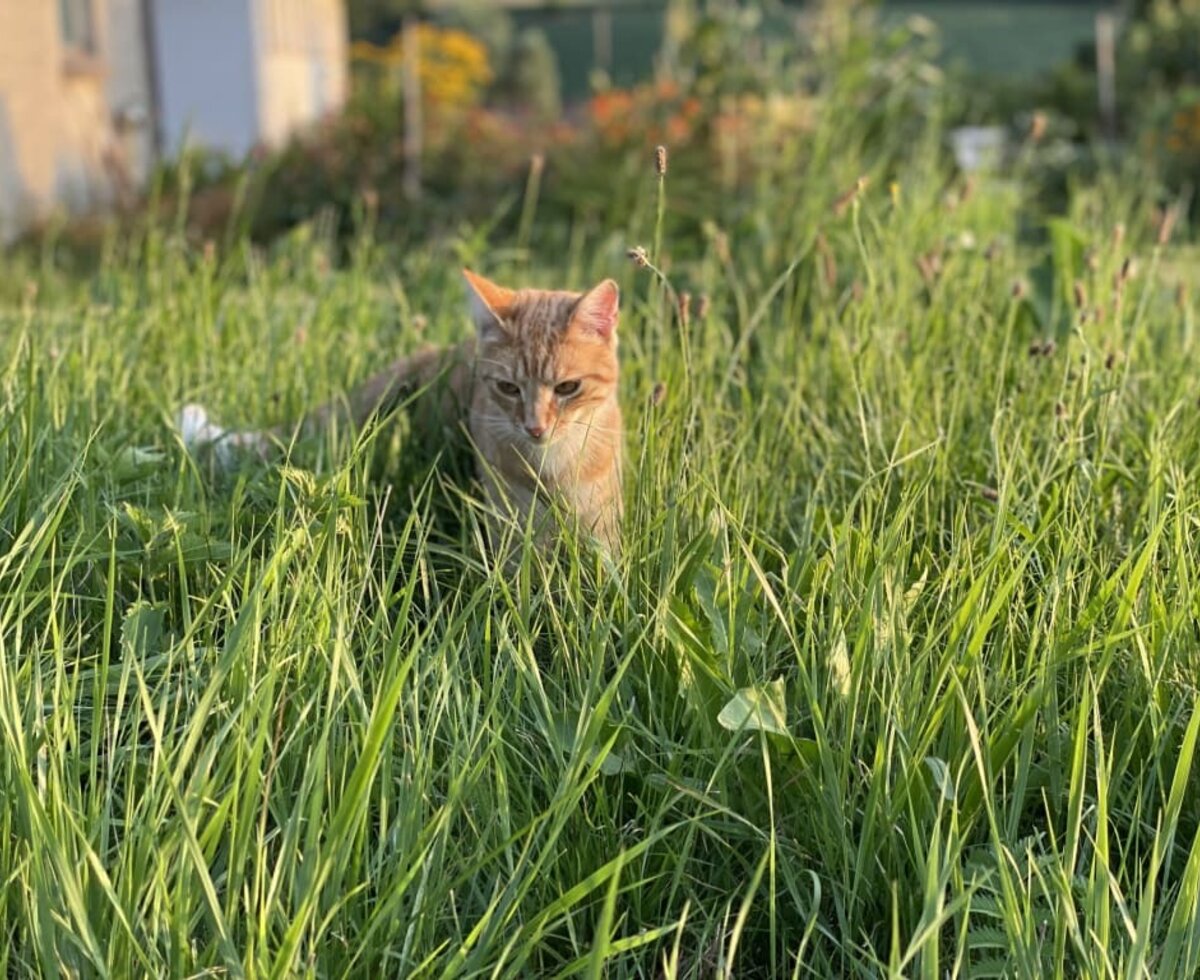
[895,673]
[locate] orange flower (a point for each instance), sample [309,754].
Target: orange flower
[666,89]
[606,106]
[679,130]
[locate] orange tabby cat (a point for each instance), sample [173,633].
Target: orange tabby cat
[537,386]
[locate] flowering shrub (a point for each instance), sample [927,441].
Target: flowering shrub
[1183,130]
[452,66]
[650,113]
[726,124]
[730,129]
[1157,89]
[1172,136]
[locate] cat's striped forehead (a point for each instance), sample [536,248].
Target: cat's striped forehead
[539,316]
[538,344]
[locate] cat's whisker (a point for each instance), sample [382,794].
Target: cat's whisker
[592,427]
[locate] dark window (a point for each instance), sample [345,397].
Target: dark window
[77,25]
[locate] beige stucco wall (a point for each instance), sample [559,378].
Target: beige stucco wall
[57,141]
[302,63]
[29,89]
[77,132]
[127,87]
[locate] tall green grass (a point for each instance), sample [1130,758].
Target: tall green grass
[895,676]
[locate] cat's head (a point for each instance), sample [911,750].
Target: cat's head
[547,359]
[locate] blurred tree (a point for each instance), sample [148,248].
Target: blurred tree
[1160,50]
[678,25]
[1144,8]
[486,20]
[721,49]
[377,20]
[531,80]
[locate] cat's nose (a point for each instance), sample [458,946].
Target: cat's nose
[537,430]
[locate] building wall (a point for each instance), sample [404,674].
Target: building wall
[55,127]
[128,88]
[60,140]
[84,175]
[208,78]
[302,63]
[77,126]
[28,82]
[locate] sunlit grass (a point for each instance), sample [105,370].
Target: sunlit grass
[896,673]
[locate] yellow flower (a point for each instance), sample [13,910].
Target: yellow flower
[452,66]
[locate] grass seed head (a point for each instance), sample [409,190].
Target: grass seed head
[537,163]
[1019,289]
[930,267]
[721,243]
[1110,361]
[1037,126]
[637,255]
[850,196]
[1164,223]
[1080,295]
[702,306]
[989,493]
[659,394]
[829,269]
[685,308]
[660,160]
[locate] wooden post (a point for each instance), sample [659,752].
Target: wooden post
[1106,72]
[602,39]
[413,137]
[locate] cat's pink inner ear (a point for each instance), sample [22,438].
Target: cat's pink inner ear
[598,310]
[488,300]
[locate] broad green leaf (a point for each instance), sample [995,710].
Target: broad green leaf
[839,666]
[941,777]
[759,708]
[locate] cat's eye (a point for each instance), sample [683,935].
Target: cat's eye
[565,389]
[507,388]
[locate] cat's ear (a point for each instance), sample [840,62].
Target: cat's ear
[598,310]
[490,303]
